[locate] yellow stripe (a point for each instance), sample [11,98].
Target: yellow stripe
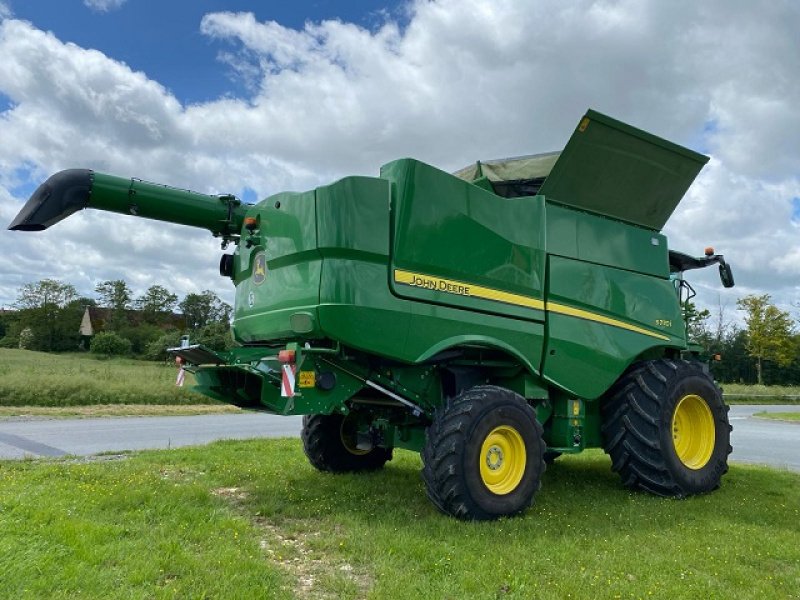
[461,288]
[589,316]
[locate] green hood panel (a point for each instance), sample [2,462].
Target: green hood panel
[622,172]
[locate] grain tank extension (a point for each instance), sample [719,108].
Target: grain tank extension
[491,319]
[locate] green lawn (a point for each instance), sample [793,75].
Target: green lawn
[779,416]
[29,379]
[253,519]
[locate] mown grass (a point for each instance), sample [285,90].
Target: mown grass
[253,519]
[779,416]
[738,393]
[40,379]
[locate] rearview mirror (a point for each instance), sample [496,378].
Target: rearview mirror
[726,275]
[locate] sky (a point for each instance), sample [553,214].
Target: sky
[253,98]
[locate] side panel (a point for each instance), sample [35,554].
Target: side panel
[356,306]
[459,245]
[279,274]
[600,319]
[591,238]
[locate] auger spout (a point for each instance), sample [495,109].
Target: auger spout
[69,191]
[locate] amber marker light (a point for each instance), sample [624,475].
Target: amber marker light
[250,223]
[709,251]
[286,356]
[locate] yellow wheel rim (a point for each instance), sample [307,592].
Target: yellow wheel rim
[693,433]
[502,460]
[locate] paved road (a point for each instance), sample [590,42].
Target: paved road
[59,437]
[761,441]
[754,440]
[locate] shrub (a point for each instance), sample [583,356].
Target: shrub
[110,344]
[141,336]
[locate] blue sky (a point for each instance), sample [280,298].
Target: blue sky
[254,98]
[163,38]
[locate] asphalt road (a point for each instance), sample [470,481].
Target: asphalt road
[756,441]
[83,437]
[762,441]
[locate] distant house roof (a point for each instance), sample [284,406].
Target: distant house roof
[86,324]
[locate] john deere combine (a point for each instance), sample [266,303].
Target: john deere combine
[491,320]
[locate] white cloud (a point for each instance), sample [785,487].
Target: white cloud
[5,10]
[461,80]
[103,5]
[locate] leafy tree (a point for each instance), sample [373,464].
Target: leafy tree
[47,311]
[156,303]
[202,309]
[115,295]
[769,332]
[47,293]
[215,336]
[697,323]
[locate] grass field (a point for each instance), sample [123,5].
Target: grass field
[253,519]
[35,379]
[39,379]
[779,416]
[114,410]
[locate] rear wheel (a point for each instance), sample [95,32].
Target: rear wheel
[483,455]
[330,443]
[666,428]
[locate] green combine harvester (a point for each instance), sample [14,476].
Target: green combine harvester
[491,319]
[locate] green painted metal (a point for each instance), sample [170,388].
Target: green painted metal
[277,269]
[448,229]
[613,169]
[395,292]
[221,215]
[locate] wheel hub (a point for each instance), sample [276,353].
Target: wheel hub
[494,458]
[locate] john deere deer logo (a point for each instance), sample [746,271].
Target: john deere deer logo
[259,268]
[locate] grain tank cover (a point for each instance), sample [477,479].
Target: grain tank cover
[607,167]
[619,171]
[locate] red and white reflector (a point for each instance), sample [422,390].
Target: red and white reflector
[287,380]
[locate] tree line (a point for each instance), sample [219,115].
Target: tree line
[48,314]
[766,350]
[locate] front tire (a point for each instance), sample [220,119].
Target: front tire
[483,455]
[329,442]
[666,428]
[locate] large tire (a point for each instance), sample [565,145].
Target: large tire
[666,428]
[330,445]
[483,455]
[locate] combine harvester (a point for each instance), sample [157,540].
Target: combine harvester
[491,320]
